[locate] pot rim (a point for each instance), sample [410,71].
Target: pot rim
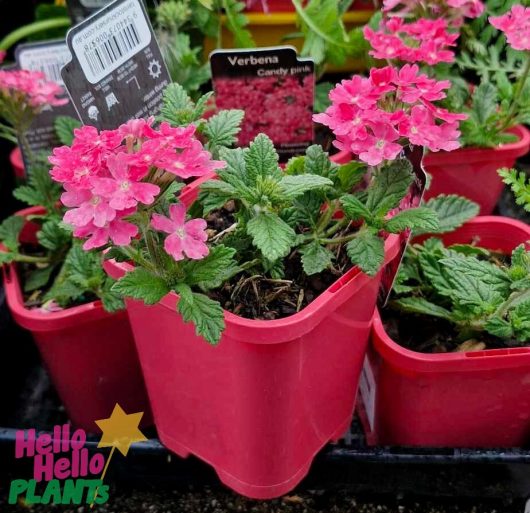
[516,149]
[407,359]
[39,320]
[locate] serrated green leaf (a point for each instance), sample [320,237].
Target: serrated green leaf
[261,159]
[354,208]
[64,128]
[51,236]
[317,161]
[38,278]
[222,128]
[211,272]
[414,218]
[271,235]
[453,211]
[350,175]
[177,108]
[389,187]
[296,185]
[367,251]
[420,305]
[28,195]
[315,258]
[10,230]
[485,272]
[205,313]
[499,327]
[141,284]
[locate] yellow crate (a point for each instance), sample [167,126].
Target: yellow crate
[269,29]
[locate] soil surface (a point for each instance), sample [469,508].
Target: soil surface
[256,297]
[218,500]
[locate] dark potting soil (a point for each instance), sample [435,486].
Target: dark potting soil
[256,297]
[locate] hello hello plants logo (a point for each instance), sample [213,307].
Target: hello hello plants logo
[64,471]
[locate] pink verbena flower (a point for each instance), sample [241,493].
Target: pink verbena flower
[88,208]
[454,11]
[123,190]
[120,232]
[185,238]
[424,40]
[30,87]
[516,26]
[400,112]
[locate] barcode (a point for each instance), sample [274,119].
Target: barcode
[51,69]
[116,46]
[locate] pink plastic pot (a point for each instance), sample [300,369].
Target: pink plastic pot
[474,399]
[89,353]
[472,172]
[260,405]
[15,157]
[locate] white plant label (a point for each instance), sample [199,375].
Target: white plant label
[117,71]
[368,391]
[118,35]
[47,57]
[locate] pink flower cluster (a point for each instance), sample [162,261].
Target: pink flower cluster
[424,40]
[109,175]
[453,10]
[516,26]
[30,87]
[279,107]
[376,117]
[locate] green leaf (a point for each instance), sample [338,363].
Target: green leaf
[519,185]
[389,187]
[222,128]
[112,302]
[420,305]
[51,236]
[38,278]
[350,175]
[322,101]
[178,109]
[271,235]
[484,101]
[205,313]
[40,189]
[28,195]
[64,128]
[315,258]
[236,23]
[214,194]
[453,211]
[10,230]
[499,328]
[367,251]
[485,272]
[354,208]
[261,159]
[141,284]
[210,272]
[296,185]
[317,161]
[422,218]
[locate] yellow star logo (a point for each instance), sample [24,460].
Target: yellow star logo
[121,430]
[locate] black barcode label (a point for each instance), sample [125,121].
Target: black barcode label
[110,41]
[48,58]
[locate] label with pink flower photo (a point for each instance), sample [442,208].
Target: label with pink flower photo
[117,71]
[275,89]
[46,57]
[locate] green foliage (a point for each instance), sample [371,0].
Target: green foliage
[452,210]
[294,211]
[481,297]
[326,40]
[519,184]
[10,230]
[236,22]
[220,130]
[83,279]
[64,128]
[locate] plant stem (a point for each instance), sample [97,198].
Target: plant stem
[28,259]
[33,28]
[339,240]
[519,86]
